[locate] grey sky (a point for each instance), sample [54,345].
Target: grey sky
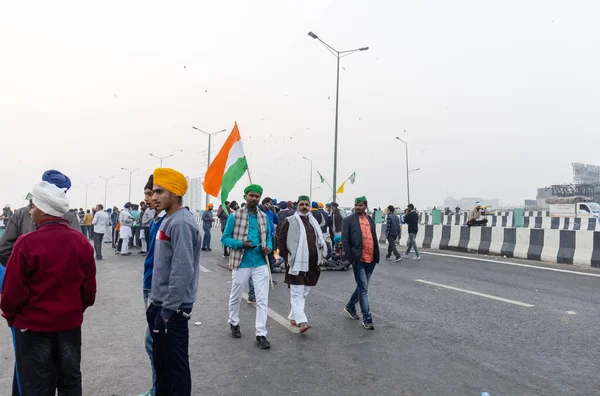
[497,99]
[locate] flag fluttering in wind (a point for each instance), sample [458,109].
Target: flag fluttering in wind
[227,168]
[352,178]
[341,189]
[321,176]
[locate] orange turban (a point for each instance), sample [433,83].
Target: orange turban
[171,180]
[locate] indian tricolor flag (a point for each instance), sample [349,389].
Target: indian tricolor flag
[227,168]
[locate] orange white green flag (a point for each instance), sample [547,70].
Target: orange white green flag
[227,168]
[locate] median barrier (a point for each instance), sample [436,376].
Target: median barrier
[579,247]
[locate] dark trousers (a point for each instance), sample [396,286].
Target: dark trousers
[472,223]
[115,237]
[98,244]
[49,361]
[392,246]
[136,236]
[170,343]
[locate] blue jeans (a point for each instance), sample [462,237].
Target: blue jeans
[362,275]
[148,343]
[206,239]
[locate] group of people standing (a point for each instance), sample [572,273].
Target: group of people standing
[47,334]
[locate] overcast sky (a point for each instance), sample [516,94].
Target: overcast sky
[497,99]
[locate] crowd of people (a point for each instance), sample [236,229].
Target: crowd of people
[45,309]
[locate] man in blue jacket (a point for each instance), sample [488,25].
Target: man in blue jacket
[153,227]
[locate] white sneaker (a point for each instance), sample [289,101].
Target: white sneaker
[417,258]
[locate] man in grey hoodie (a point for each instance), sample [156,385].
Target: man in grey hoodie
[174,285]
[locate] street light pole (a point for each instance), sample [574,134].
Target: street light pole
[106,179]
[209,143]
[338,55]
[311,176]
[86,192]
[160,158]
[130,172]
[407,169]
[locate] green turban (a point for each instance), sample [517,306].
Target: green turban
[360,199]
[254,188]
[303,198]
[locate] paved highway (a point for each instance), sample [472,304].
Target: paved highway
[444,326]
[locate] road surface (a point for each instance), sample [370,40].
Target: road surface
[444,326]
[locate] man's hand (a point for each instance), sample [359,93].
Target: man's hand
[266,251]
[248,244]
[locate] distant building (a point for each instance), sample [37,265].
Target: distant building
[193,197]
[585,174]
[469,202]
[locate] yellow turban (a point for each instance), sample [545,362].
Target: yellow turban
[171,180]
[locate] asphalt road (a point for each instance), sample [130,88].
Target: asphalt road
[530,331]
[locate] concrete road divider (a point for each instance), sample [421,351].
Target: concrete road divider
[579,247]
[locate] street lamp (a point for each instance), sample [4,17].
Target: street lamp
[106,179]
[130,172]
[407,169]
[311,175]
[210,135]
[86,192]
[161,158]
[338,55]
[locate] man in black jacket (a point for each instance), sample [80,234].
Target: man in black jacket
[360,245]
[412,219]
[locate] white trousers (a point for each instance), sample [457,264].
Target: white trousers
[125,245]
[298,294]
[144,245]
[239,280]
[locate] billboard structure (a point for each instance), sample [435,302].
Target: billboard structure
[585,174]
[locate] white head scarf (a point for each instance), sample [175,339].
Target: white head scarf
[50,199]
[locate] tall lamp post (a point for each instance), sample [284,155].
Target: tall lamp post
[86,192]
[160,158]
[338,55]
[407,169]
[311,175]
[210,135]
[106,179]
[130,172]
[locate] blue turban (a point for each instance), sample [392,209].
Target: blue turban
[314,205]
[337,239]
[57,178]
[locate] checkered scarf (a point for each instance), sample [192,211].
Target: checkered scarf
[240,232]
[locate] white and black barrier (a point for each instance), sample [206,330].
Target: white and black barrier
[580,247]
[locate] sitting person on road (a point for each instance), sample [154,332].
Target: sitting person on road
[474,218]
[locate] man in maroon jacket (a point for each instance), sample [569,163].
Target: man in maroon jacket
[50,280]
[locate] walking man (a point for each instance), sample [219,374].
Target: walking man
[359,239]
[248,237]
[412,220]
[100,224]
[207,222]
[301,244]
[174,285]
[392,230]
[87,224]
[50,281]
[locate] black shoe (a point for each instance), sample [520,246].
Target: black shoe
[368,324]
[204,249]
[351,313]
[262,342]
[225,255]
[251,300]
[235,331]
[98,258]
[208,249]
